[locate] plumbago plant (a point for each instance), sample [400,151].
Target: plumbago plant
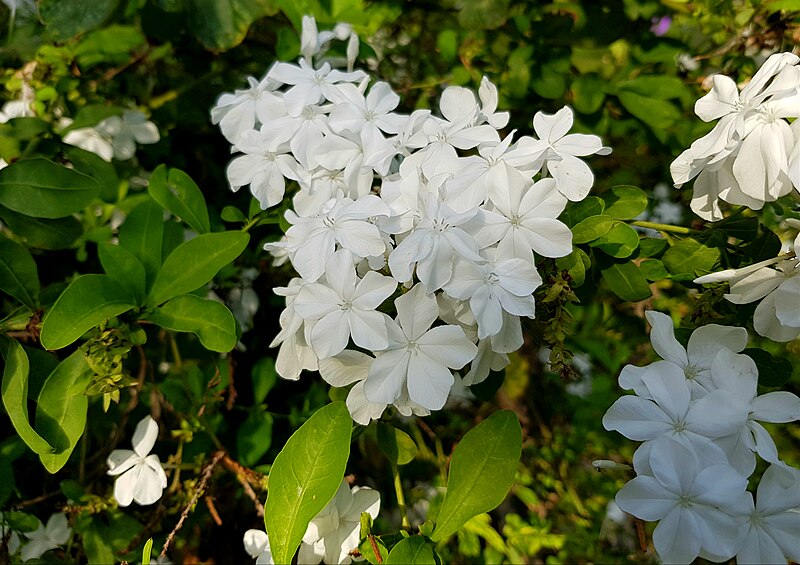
[414,254]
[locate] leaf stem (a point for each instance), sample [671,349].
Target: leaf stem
[401,499]
[662,227]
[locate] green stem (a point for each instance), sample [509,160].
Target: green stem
[401,499]
[662,227]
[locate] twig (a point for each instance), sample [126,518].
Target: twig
[231,388]
[212,510]
[37,500]
[201,487]
[242,476]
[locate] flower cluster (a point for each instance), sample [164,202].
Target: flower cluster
[333,533]
[698,415]
[436,218]
[776,282]
[752,155]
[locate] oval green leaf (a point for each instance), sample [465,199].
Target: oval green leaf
[143,234]
[626,281]
[61,409]
[481,471]
[15,394]
[123,266]
[413,550]
[689,258]
[195,262]
[42,233]
[43,189]
[591,228]
[178,193]
[620,241]
[397,445]
[87,302]
[624,202]
[18,275]
[209,320]
[254,437]
[305,477]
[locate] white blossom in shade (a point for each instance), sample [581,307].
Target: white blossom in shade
[126,131]
[524,220]
[493,287]
[770,527]
[694,360]
[334,532]
[140,477]
[12,537]
[256,544]
[308,85]
[88,139]
[294,355]
[343,221]
[266,164]
[776,282]
[236,112]
[345,307]
[694,504]
[434,243]
[419,358]
[560,152]
[738,374]
[668,410]
[44,538]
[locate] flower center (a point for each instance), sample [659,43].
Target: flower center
[412,347]
[679,426]
[685,501]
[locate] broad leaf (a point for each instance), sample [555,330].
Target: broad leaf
[61,409]
[658,114]
[15,394]
[178,193]
[18,275]
[122,265]
[620,241]
[624,202]
[626,281]
[195,262]
[67,18]
[577,264]
[397,445]
[87,302]
[43,189]
[142,234]
[96,167]
[773,371]
[305,476]
[591,228]
[254,437]
[413,550]
[689,258]
[209,320]
[223,24]
[42,233]
[481,471]
[577,211]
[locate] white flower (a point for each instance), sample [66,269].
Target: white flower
[44,538]
[141,478]
[334,532]
[418,359]
[88,139]
[256,544]
[126,131]
[236,112]
[13,542]
[310,86]
[692,503]
[772,525]
[344,307]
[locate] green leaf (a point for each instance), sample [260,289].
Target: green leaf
[626,281]
[254,437]
[178,193]
[42,233]
[305,476]
[15,394]
[43,189]
[481,471]
[87,302]
[591,228]
[18,275]
[577,211]
[196,262]
[652,246]
[483,14]
[372,545]
[223,24]
[413,550]
[105,535]
[658,114]
[263,378]
[653,270]
[577,264]
[61,409]
[123,266]
[111,45]
[96,167]
[772,371]
[68,18]
[620,241]
[147,552]
[397,445]
[142,234]
[209,320]
[689,258]
[587,93]
[624,202]
[232,214]
[660,87]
